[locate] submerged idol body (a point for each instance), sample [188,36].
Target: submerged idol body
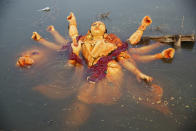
[104,55]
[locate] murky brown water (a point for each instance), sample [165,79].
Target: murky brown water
[23,108]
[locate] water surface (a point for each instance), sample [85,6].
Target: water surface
[22,108]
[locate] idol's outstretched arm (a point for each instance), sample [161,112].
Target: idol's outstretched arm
[136,37]
[144,49]
[59,39]
[165,54]
[132,67]
[44,42]
[73,31]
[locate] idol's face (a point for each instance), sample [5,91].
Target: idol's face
[98,28]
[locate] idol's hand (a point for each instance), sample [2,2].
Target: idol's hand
[146,21]
[71,18]
[73,31]
[168,53]
[76,48]
[144,77]
[36,36]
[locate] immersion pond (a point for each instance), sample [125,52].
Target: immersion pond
[24,109]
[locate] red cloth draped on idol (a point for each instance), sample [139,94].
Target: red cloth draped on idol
[104,56]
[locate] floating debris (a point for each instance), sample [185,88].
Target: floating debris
[187,106]
[159,28]
[172,98]
[133,97]
[51,122]
[140,99]
[103,16]
[176,39]
[165,102]
[45,104]
[122,105]
[46,9]
[147,99]
[158,102]
[66,109]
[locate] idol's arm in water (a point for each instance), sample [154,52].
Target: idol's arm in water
[165,54]
[136,36]
[73,31]
[59,39]
[132,67]
[145,49]
[44,42]
[137,53]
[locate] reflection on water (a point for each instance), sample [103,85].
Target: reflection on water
[41,98]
